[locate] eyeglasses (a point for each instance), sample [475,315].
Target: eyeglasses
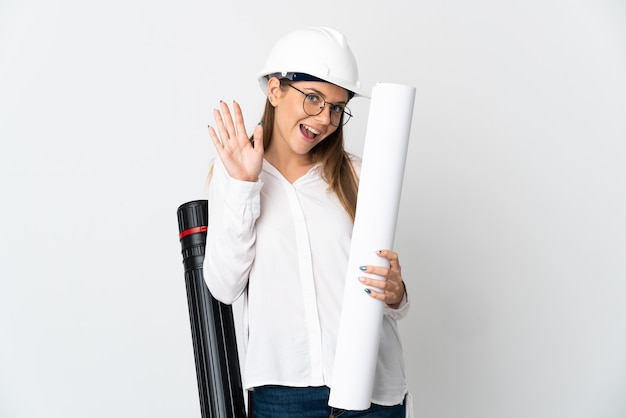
[313,105]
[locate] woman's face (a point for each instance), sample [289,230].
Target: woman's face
[296,130]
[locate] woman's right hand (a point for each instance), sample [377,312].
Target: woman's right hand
[242,159]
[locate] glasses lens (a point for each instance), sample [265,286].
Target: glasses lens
[314,105]
[346,116]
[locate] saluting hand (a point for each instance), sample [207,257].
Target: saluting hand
[242,158]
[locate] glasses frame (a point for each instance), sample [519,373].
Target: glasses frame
[344,118]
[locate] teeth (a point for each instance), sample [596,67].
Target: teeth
[313,131]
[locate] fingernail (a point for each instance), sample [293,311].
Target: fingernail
[363,268]
[368,291]
[361,279]
[379,251]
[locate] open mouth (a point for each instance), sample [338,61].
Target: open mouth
[309,132]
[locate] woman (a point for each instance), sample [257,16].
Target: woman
[282,207]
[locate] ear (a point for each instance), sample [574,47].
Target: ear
[274,91]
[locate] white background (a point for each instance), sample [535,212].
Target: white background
[512,228]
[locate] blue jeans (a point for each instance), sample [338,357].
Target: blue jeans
[310,402]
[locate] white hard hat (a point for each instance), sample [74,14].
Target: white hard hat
[318,52]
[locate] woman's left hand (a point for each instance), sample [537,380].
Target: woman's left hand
[391,290]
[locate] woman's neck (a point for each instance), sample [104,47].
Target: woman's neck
[292,166]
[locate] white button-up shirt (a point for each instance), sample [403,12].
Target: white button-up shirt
[285,247]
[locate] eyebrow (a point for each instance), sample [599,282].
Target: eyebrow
[319,93]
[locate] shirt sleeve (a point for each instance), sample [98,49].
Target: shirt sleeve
[234,207]
[402,310]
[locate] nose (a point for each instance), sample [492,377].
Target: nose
[324,115]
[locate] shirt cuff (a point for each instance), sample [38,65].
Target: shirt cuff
[237,192]
[402,310]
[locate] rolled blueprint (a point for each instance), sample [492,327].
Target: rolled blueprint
[380,185]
